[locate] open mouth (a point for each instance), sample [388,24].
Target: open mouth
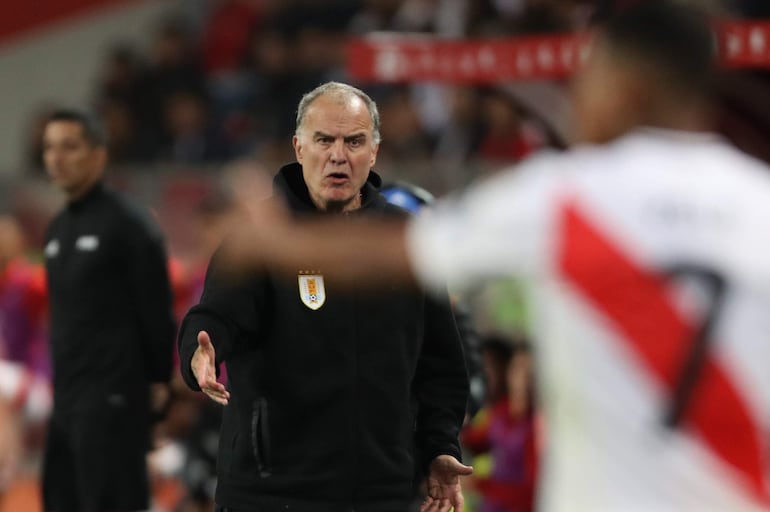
[338,178]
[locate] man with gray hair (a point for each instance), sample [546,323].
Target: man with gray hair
[336,400]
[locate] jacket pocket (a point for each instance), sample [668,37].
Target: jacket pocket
[260,436]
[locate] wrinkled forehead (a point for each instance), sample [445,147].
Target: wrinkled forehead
[338,109]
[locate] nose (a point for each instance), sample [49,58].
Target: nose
[337,154]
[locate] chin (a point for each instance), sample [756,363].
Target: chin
[339,198]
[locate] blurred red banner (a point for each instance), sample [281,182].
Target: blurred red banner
[394,57]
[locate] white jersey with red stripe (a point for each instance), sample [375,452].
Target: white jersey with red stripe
[640,255]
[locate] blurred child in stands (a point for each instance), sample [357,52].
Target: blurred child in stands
[505,429]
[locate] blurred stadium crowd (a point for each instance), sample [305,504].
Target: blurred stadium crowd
[213,99]
[221,79]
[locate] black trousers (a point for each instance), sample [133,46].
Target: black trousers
[96,461]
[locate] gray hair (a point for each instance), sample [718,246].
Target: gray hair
[340,91]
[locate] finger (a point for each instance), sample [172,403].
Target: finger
[204,341]
[445,505]
[433,506]
[217,388]
[459,468]
[219,398]
[459,502]
[218,391]
[425,507]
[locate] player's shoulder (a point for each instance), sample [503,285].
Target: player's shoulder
[641,155]
[542,168]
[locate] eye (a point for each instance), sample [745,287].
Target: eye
[325,140]
[357,142]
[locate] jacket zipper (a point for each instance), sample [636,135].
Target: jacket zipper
[260,436]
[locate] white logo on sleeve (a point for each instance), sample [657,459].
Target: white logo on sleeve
[87,243]
[52,248]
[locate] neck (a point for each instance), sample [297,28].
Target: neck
[691,114]
[81,192]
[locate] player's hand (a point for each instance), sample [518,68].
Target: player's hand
[444,490]
[203,366]
[260,220]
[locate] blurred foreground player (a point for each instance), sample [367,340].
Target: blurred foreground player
[112,329]
[646,251]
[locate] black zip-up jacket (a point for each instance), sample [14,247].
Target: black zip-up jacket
[333,408]
[112,323]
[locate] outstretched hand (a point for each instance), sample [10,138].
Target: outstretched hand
[444,490]
[203,366]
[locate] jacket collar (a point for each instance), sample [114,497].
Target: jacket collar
[94,192]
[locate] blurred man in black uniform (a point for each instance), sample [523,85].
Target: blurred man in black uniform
[112,329]
[337,397]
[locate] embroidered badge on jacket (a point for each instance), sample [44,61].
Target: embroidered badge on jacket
[311,289]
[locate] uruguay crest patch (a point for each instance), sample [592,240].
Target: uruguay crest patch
[311,289]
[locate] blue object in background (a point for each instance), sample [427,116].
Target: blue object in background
[407,196]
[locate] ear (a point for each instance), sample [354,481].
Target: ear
[102,157]
[374,156]
[297,148]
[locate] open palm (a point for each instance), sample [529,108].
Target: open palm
[444,489]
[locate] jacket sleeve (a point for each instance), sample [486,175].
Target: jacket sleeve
[228,311]
[441,385]
[150,288]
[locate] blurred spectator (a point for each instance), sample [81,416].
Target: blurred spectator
[192,137]
[225,47]
[188,437]
[403,137]
[496,352]
[125,139]
[121,76]
[124,104]
[226,35]
[506,137]
[243,64]
[25,394]
[460,136]
[544,16]
[28,395]
[213,216]
[506,430]
[173,66]
[374,15]
[23,303]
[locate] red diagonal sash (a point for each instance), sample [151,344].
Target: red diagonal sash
[638,306]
